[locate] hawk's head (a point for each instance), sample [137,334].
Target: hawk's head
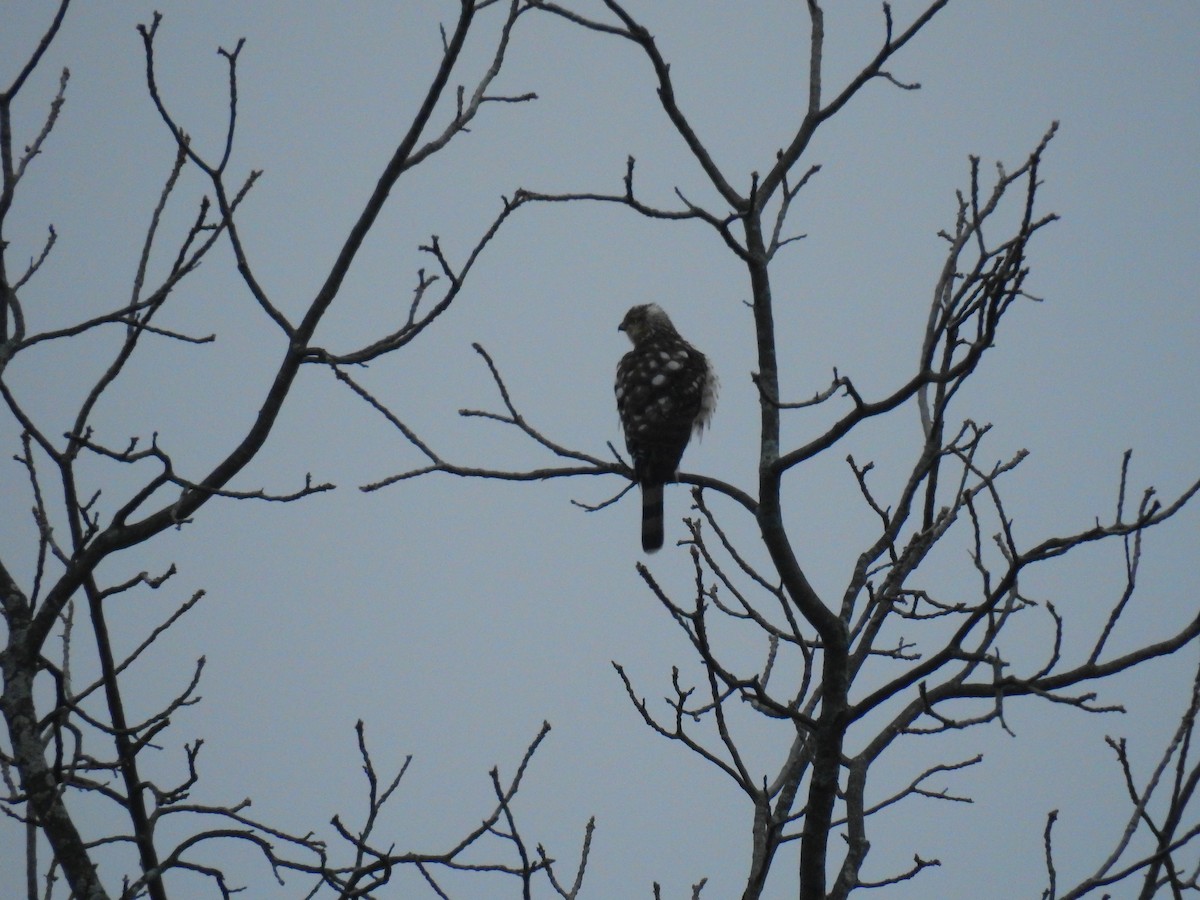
[643,321]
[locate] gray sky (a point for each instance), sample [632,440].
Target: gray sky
[455,616]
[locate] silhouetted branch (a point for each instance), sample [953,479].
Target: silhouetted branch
[375,866]
[52,728]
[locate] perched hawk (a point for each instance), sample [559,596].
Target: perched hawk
[665,390]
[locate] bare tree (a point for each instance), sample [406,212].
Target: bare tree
[843,679]
[891,656]
[69,744]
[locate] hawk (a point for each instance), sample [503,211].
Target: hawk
[665,390]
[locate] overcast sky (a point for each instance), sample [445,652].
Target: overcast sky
[455,616]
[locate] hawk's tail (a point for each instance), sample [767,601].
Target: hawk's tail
[652,517]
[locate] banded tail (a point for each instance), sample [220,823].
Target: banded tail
[652,517]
